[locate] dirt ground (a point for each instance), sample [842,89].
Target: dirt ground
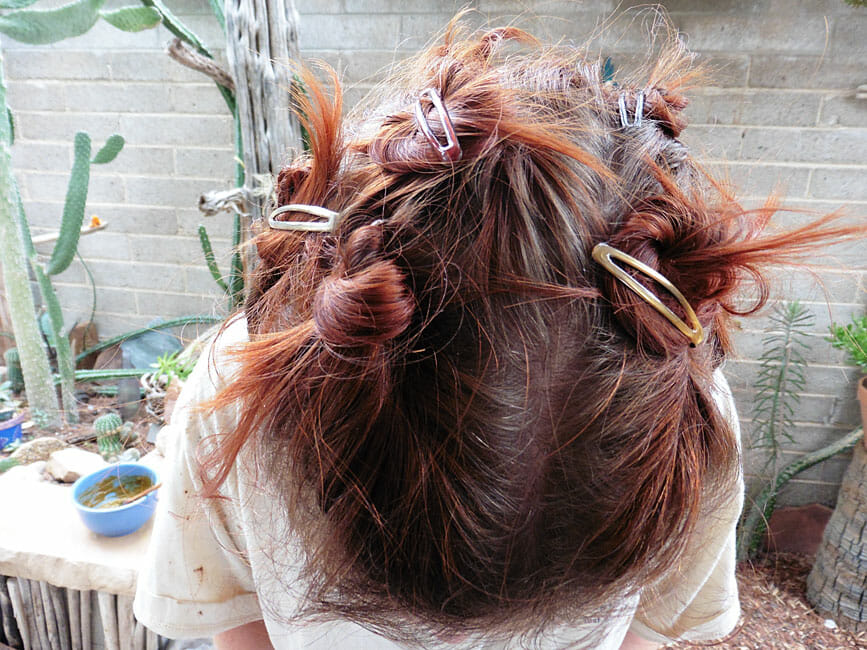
[776,614]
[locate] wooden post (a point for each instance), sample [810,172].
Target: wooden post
[261,47]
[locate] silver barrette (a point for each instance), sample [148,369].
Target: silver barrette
[639,109]
[328,225]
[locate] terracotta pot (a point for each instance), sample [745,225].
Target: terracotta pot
[862,397]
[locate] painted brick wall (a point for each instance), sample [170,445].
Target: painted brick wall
[780,115]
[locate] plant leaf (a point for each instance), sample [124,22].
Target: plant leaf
[132,19]
[43,26]
[15,4]
[109,150]
[11,125]
[73,209]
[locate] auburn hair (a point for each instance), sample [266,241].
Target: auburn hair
[473,425]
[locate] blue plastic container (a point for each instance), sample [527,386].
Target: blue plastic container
[122,520]
[10,430]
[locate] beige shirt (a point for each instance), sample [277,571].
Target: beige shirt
[218,563]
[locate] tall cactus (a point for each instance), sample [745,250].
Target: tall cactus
[63,254]
[31,348]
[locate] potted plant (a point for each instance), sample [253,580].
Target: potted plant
[853,339]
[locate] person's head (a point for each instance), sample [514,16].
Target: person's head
[475,424]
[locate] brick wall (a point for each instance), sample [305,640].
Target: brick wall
[780,114]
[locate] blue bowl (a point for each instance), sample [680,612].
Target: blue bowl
[120,520]
[10,430]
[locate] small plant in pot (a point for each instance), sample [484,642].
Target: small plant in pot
[164,383]
[853,339]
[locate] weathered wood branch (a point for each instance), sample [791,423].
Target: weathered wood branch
[261,49]
[188,57]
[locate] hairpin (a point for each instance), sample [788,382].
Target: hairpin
[603,254]
[451,150]
[639,109]
[330,217]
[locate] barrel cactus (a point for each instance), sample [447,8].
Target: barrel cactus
[108,428]
[13,369]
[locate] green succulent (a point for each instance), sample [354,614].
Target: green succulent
[108,428]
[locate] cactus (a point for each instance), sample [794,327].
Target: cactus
[13,370]
[108,428]
[13,260]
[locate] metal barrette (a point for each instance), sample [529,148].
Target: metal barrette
[639,109]
[603,254]
[451,150]
[330,217]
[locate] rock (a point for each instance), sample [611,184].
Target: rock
[68,465]
[38,449]
[129,455]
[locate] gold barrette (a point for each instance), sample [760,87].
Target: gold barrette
[603,254]
[330,217]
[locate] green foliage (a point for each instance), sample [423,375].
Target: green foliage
[853,339]
[780,379]
[13,369]
[132,19]
[210,260]
[8,463]
[15,4]
[73,209]
[44,26]
[174,365]
[857,3]
[109,150]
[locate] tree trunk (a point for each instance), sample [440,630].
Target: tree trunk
[837,584]
[38,381]
[261,48]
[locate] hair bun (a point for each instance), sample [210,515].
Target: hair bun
[365,300]
[665,106]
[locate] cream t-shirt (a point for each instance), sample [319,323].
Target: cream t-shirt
[214,564]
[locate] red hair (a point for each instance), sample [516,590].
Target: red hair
[452,396]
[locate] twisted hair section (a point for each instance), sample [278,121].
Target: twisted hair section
[451,395]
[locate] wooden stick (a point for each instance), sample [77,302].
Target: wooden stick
[108,614]
[10,629]
[61,615]
[125,622]
[73,605]
[86,628]
[20,611]
[52,236]
[38,613]
[141,494]
[50,616]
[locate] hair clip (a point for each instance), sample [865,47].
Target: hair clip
[330,217]
[451,151]
[603,254]
[639,109]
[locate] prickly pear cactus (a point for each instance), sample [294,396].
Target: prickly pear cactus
[108,428]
